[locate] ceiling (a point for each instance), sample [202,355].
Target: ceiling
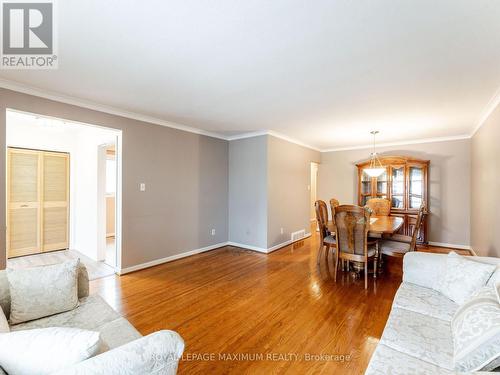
[321,72]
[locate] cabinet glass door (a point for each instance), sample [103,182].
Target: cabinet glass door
[382,185]
[398,187]
[416,187]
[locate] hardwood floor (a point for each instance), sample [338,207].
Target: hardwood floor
[279,310]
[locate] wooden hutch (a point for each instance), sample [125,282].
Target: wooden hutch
[404,183]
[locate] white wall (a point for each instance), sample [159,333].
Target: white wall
[81,142]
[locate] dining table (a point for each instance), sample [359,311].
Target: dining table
[379,225]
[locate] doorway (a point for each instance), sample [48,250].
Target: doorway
[67,220]
[314,190]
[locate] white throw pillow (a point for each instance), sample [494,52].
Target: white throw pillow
[4,325]
[42,291]
[46,350]
[476,332]
[462,277]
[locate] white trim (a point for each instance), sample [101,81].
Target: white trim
[450,245]
[291,140]
[488,109]
[25,89]
[269,249]
[169,259]
[248,247]
[402,143]
[271,133]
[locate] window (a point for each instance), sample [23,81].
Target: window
[110,176]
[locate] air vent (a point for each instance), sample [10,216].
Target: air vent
[300,234]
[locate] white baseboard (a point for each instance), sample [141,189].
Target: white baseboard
[269,249]
[451,245]
[169,259]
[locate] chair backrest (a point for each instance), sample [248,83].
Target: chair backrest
[352,223]
[322,218]
[420,217]
[333,204]
[379,206]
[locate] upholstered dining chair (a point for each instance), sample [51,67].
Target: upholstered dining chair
[352,224]
[333,203]
[327,240]
[398,245]
[379,206]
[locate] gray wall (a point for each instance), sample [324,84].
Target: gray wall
[248,191]
[486,187]
[449,183]
[186,176]
[288,178]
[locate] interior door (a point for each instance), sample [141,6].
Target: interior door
[55,201]
[23,202]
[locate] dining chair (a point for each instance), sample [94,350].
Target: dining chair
[333,203]
[352,224]
[327,240]
[398,245]
[379,206]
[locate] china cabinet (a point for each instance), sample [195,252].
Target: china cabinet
[405,183]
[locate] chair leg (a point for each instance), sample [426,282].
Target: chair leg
[375,260]
[321,246]
[366,275]
[336,265]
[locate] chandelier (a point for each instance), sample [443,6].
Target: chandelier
[376,168]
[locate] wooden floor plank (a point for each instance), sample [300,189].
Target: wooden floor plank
[280,310]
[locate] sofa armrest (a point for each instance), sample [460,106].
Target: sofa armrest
[423,269]
[157,353]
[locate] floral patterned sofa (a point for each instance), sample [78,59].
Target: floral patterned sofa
[418,338]
[128,352]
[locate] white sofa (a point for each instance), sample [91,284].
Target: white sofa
[417,338]
[128,352]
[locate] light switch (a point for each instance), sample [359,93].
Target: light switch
[142,186]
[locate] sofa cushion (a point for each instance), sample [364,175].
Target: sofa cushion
[420,336]
[4,325]
[43,351]
[476,332]
[93,314]
[42,291]
[463,277]
[386,361]
[424,301]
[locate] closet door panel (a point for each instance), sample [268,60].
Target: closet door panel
[23,202]
[55,201]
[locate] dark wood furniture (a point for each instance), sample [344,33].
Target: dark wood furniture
[326,239]
[405,184]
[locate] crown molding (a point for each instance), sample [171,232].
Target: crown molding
[30,90]
[402,143]
[488,110]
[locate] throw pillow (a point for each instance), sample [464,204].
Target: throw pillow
[463,277]
[4,325]
[42,291]
[476,333]
[46,350]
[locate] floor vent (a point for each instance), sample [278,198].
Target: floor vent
[300,234]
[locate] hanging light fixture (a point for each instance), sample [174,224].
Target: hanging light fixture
[376,168]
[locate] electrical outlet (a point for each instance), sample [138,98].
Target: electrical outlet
[281,230]
[142,186]
[212,232]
